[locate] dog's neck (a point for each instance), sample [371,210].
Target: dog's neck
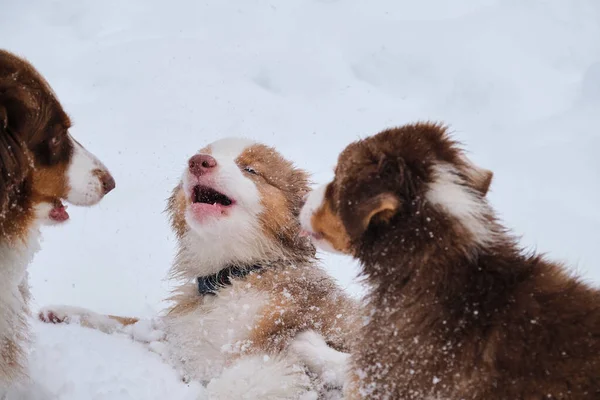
[211,284]
[197,258]
[16,253]
[19,214]
[15,257]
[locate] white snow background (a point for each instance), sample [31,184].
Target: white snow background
[149,82]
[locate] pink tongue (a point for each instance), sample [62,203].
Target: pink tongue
[59,214]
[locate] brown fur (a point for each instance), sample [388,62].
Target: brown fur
[452,316]
[302,298]
[34,151]
[33,159]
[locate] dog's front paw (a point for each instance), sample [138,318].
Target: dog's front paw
[57,314]
[328,364]
[147,331]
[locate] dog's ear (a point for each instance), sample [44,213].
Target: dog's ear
[375,197]
[176,210]
[480,178]
[3,119]
[483,181]
[14,162]
[377,209]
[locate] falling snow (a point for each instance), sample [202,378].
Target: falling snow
[147,83]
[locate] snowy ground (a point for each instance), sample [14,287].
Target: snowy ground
[148,82]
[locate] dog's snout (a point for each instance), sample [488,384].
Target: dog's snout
[107,181]
[201,164]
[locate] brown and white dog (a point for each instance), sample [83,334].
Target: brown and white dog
[457,310]
[40,166]
[250,294]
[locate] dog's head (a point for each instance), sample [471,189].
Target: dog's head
[238,202]
[412,183]
[41,164]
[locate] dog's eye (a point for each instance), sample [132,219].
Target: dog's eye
[250,170]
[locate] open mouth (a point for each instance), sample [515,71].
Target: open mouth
[59,211]
[206,195]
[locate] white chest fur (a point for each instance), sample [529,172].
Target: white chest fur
[201,340]
[14,259]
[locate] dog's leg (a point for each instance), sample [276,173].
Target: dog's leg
[147,331]
[328,364]
[84,317]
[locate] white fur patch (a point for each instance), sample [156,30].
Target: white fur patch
[450,192]
[328,364]
[15,257]
[201,341]
[230,147]
[314,201]
[85,187]
[261,377]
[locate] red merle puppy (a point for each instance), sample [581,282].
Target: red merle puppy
[456,309]
[41,166]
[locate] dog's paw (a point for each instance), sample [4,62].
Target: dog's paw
[327,363]
[147,331]
[58,314]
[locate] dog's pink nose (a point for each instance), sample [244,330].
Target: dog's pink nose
[201,164]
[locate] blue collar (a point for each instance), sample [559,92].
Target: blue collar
[212,283]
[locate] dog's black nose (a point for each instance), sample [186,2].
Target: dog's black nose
[201,164]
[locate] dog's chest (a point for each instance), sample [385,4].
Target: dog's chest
[14,259]
[201,340]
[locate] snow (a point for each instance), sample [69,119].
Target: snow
[147,83]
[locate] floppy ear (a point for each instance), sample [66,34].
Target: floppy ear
[3,119]
[176,210]
[14,162]
[380,208]
[11,161]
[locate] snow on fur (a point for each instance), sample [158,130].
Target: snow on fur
[148,83]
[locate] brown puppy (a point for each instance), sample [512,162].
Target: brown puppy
[40,166]
[457,310]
